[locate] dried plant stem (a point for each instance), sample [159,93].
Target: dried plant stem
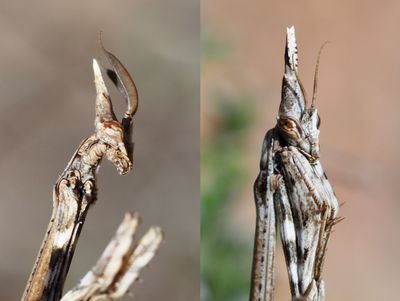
[119,265]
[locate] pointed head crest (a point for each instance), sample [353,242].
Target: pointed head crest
[297,123]
[293,100]
[114,134]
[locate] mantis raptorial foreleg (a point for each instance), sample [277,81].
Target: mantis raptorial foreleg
[264,242]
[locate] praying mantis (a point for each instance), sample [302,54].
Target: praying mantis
[293,193]
[74,193]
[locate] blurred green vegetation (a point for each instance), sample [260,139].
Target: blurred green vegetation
[213,48]
[225,258]
[225,261]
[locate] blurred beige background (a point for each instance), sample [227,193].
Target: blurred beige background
[359,103]
[47,108]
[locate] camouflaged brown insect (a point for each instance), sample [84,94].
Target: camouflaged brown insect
[293,193]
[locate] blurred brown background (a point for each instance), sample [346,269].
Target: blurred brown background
[359,103]
[47,108]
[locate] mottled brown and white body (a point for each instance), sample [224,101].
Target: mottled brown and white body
[75,190]
[293,193]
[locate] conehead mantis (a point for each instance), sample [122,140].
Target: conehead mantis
[293,193]
[73,194]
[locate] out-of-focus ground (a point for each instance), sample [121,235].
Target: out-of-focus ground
[47,108]
[359,103]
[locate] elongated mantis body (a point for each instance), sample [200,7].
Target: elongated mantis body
[75,190]
[293,193]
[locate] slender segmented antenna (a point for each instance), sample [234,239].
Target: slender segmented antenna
[314,97]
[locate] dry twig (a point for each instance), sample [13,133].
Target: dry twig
[119,265]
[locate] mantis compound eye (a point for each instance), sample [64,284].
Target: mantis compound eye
[119,159]
[287,123]
[290,128]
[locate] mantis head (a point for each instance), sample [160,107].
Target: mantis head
[115,135]
[297,123]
